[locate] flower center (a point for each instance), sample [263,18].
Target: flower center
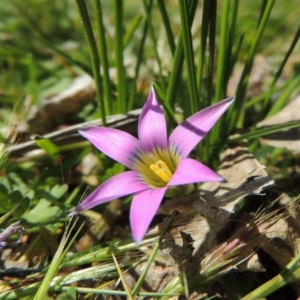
[161,169]
[157,167]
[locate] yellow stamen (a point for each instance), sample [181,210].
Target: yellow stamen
[161,169]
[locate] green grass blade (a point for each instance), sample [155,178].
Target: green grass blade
[103,53]
[50,148]
[289,274]
[148,9]
[177,64]
[137,67]
[284,98]
[203,38]
[65,55]
[119,49]
[265,131]
[175,76]
[95,60]
[140,281]
[189,54]
[230,58]
[167,24]
[211,57]
[287,54]
[277,76]
[222,53]
[33,85]
[165,104]
[56,262]
[237,107]
[131,29]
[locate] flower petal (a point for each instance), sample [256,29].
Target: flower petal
[190,132]
[152,127]
[115,143]
[143,208]
[192,171]
[117,186]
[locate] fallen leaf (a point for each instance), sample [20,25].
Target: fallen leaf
[218,201]
[289,139]
[258,77]
[69,101]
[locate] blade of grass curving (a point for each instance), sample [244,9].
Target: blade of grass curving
[98,253]
[32,72]
[165,104]
[189,55]
[265,131]
[236,111]
[230,58]
[46,144]
[284,98]
[207,28]
[261,97]
[287,54]
[234,56]
[202,47]
[211,54]
[177,64]
[17,294]
[176,73]
[56,262]
[137,67]
[167,24]
[148,9]
[261,13]
[277,76]
[222,53]
[128,293]
[203,148]
[289,274]
[140,281]
[95,60]
[5,217]
[131,29]
[103,56]
[119,50]
[65,55]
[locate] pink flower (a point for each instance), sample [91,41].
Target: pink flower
[156,163]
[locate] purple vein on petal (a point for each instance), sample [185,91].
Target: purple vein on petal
[117,186]
[152,129]
[143,208]
[192,171]
[190,132]
[115,143]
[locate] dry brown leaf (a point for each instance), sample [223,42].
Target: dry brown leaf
[29,150]
[289,139]
[283,238]
[69,101]
[216,201]
[258,77]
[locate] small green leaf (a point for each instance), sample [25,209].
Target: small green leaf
[58,191]
[45,144]
[65,296]
[42,213]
